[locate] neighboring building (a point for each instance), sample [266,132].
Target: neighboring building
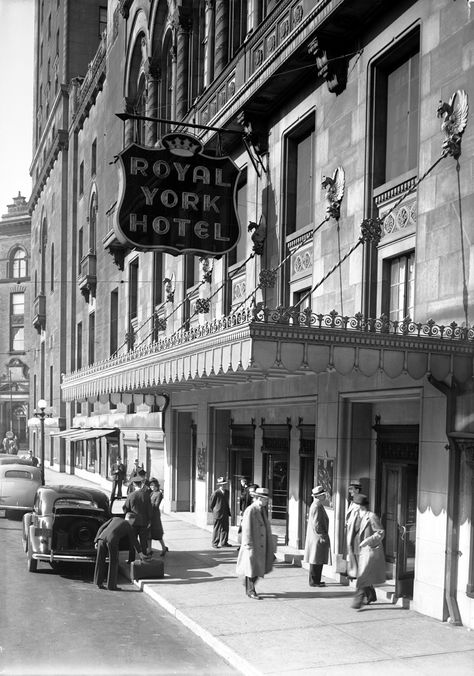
[268,361]
[15,338]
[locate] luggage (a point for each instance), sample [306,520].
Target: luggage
[150,569]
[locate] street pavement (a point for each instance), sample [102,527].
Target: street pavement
[294,629]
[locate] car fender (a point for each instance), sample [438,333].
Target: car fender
[33,539]
[27,518]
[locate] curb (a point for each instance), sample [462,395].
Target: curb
[216,644]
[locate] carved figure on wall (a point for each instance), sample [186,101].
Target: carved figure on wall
[454,116]
[334,192]
[259,234]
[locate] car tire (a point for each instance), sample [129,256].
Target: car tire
[31,562]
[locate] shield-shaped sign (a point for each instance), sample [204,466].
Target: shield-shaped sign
[176,199]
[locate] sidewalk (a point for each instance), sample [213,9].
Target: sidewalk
[294,629]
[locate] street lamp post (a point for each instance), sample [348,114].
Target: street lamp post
[40,413]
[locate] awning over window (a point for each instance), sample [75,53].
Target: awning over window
[79,434]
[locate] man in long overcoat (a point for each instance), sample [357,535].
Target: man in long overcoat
[138,506]
[256,550]
[317,546]
[219,505]
[364,537]
[118,472]
[107,541]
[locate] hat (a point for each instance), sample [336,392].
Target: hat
[138,479]
[252,487]
[361,499]
[355,483]
[318,490]
[136,461]
[221,480]
[260,492]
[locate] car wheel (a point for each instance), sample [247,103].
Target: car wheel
[32,563]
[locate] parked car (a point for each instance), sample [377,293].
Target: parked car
[18,485]
[63,524]
[10,459]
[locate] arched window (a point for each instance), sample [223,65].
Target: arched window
[140,109]
[19,264]
[93,223]
[167,82]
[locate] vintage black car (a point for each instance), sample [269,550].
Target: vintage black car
[63,524]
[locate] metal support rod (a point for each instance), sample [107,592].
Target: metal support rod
[146,118]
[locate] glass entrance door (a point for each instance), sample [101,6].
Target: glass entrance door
[398,511]
[276,480]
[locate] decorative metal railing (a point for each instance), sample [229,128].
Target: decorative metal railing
[293,317]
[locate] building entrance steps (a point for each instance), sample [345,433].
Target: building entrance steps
[295,629]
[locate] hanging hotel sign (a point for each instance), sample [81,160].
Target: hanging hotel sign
[177,200]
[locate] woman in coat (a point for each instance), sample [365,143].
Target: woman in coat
[156,496]
[365,535]
[256,550]
[317,546]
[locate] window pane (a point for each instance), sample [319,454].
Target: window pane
[18,303]
[303,181]
[18,339]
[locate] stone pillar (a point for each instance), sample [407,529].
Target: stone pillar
[183,24]
[209,44]
[221,36]
[153,79]
[129,124]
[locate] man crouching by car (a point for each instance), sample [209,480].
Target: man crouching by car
[107,541]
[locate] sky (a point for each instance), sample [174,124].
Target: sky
[16,98]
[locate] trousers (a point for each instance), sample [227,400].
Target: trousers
[112,550]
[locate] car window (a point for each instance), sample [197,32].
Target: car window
[73,502]
[17,474]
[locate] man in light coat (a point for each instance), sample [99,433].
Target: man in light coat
[256,550]
[364,536]
[317,546]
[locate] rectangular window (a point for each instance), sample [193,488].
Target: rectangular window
[91,337]
[157,278]
[133,290]
[298,297]
[401,296]
[79,346]
[396,93]
[51,385]
[81,179]
[17,339]
[57,42]
[239,253]
[113,321]
[80,245]
[102,20]
[49,27]
[299,178]
[94,158]
[17,304]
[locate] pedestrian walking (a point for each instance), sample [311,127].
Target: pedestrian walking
[133,475]
[317,550]
[118,473]
[364,541]
[156,496]
[354,488]
[219,505]
[138,510]
[107,541]
[256,552]
[32,459]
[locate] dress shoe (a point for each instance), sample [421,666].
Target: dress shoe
[100,586]
[321,584]
[253,595]
[371,596]
[216,546]
[164,551]
[114,588]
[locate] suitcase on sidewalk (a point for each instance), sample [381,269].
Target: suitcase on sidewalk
[152,569]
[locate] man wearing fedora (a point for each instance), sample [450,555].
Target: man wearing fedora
[256,550]
[138,507]
[219,505]
[354,488]
[317,546]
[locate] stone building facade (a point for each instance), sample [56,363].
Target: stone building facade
[334,341]
[15,261]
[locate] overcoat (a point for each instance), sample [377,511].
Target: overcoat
[256,549]
[139,504]
[371,555]
[317,546]
[220,504]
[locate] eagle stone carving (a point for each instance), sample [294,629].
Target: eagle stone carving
[334,192]
[454,115]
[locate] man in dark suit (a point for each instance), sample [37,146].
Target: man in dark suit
[220,508]
[107,542]
[139,510]
[118,473]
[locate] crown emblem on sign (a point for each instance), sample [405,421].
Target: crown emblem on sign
[183,145]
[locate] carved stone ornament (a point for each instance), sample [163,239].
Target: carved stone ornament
[267,278]
[206,269]
[259,235]
[334,192]
[169,289]
[331,66]
[454,115]
[371,230]
[203,305]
